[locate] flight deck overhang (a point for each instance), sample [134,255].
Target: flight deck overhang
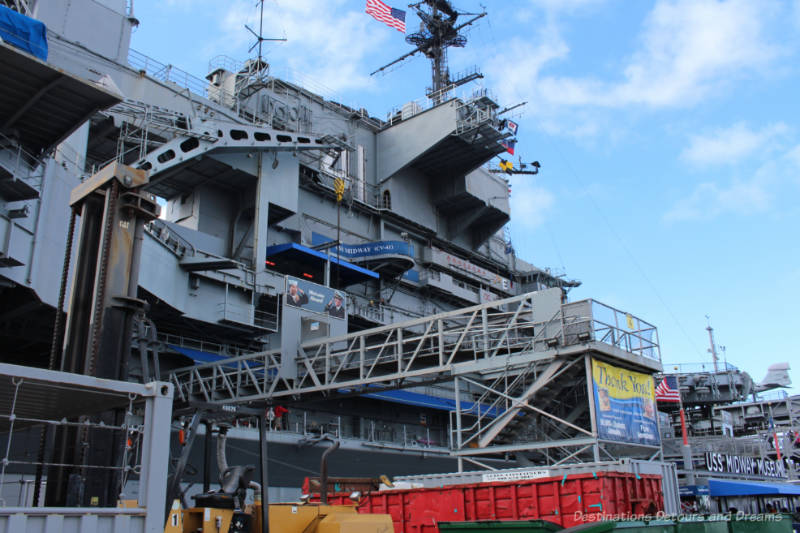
[42,105]
[447,140]
[459,154]
[298,260]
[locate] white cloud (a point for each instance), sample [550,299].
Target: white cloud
[564,5]
[687,49]
[793,155]
[690,46]
[709,200]
[530,204]
[730,145]
[796,13]
[329,50]
[773,184]
[517,66]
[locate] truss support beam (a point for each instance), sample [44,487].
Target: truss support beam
[511,448]
[232,137]
[500,423]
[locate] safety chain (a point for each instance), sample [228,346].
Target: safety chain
[128,434]
[105,246]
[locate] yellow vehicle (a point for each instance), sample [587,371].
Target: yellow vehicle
[283,518]
[224,510]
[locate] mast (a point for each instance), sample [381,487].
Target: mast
[713,349]
[260,35]
[438,32]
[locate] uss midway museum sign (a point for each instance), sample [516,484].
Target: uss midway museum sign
[742,464]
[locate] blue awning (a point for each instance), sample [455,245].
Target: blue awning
[296,260]
[725,487]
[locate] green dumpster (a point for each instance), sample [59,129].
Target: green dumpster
[761,523]
[497,526]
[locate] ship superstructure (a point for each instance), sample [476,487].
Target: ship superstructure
[309,255]
[741,436]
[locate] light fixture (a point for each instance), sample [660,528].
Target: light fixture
[275,161]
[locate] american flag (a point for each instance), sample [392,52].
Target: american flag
[396,18]
[667,390]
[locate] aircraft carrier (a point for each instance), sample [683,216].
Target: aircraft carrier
[264,248]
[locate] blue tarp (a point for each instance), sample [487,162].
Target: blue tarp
[200,357]
[23,32]
[196,355]
[724,487]
[433,402]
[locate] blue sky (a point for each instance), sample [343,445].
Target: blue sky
[667,132]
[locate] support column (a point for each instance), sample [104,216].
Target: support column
[263,458]
[261,217]
[153,491]
[590,396]
[457,391]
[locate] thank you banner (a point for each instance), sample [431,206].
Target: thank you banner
[624,403]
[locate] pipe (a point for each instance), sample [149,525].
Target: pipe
[323,473]
[222,461]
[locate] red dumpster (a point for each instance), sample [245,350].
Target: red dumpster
[562,500]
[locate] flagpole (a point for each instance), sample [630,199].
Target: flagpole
[688,464]
[683,418]
[774,433]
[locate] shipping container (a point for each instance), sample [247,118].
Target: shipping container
[565,501]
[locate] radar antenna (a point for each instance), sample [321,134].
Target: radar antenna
[438,31]
[260,35]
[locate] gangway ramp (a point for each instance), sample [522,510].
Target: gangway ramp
[482,340]
[521,363]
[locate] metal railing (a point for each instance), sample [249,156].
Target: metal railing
[246,314]
[23,165]
[498,334]
[698,368]
[168,73]
[369,194]
[224,349]
[375,311]
[772,396]
[369,431]
[623,330]
[170,238]
[471,115]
